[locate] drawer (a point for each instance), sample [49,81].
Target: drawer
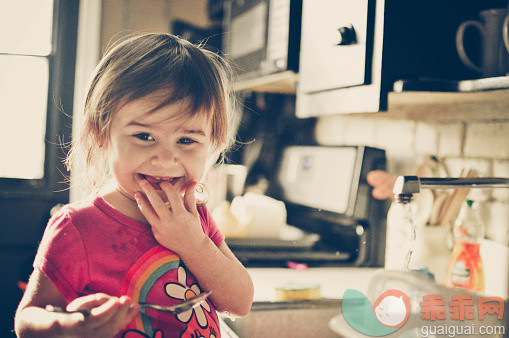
[326,64]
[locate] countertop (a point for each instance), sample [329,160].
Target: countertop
[327,321]
[333,281]
[297,319]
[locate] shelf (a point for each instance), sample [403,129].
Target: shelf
[445,106]
[283,83]
[487,105]
[449,106]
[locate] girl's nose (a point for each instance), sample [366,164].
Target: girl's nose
[164,157]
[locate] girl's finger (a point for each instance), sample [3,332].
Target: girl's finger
[133,311]
[146,209]
[72,321]
[103,313]
[99,316]
[189,198]
[88,302]
[118,319]
[174,199]
[153,197]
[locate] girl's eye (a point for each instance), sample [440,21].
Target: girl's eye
[144,137]
[186,140]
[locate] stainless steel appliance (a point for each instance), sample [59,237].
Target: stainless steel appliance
[262,37]
[326,193]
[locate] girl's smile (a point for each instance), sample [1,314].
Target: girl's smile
[157,145]
[156,180]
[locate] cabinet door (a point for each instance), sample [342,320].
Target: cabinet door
[325,63]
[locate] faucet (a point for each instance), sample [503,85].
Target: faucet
[406,186]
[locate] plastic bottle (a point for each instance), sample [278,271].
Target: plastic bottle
[465,267]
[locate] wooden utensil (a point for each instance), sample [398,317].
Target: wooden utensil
[457,199]
[434,218]
[447,203]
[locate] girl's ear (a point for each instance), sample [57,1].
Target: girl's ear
[101,140]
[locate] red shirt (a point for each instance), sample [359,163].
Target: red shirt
[91,247]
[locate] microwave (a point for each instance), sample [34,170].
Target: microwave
[262,37]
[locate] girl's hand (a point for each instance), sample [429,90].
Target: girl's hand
[176,224]
[108,316]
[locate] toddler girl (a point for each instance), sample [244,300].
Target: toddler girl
[157,114]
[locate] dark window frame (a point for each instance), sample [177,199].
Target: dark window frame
[62,64]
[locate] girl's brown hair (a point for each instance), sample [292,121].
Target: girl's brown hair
[142,65]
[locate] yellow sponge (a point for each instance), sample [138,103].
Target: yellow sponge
[298,291]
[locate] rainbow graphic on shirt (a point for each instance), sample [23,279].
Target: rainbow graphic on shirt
[147,281]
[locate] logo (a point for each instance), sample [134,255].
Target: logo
[389,312]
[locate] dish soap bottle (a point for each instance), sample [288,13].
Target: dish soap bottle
[465,267]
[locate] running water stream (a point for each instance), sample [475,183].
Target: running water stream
[410,217]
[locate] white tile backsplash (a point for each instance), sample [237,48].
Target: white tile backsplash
[331,130]
[483,146]
[457,164]
[497,222]
[487,140]
[360,131]
[426,138]
[501,169]
[450,138]
[396,136]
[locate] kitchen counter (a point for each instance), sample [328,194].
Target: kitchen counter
[323,318]
[333,281]
[296,318]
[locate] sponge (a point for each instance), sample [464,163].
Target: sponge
[298,291]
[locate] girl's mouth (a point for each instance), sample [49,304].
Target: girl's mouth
[156,180]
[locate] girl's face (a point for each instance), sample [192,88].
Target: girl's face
[157,145]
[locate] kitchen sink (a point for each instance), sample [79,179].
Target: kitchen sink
[303,318]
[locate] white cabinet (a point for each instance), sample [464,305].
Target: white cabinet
[338,76]
[321,36]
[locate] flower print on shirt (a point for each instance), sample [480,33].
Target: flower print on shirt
[184,292]
[138,334]
[197,334]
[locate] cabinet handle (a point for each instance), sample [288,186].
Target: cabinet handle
[347,36]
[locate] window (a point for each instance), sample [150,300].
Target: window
[37,55]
